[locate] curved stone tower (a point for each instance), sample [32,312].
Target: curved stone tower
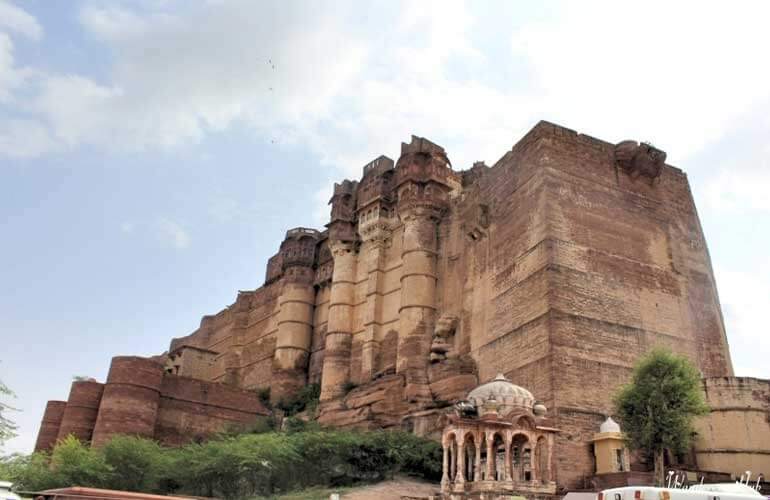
[82,408]
[49,426]
[423,181]
[295,317]
[343,245]
[130,400]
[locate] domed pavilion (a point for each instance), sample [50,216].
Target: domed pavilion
[498,442]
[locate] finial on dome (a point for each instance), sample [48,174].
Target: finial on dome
[500,376]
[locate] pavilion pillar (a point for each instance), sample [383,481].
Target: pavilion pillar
[445,469]
[460,477]
[477,468]
[491,459]
[508,465]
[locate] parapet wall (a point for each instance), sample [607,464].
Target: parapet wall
[735,436]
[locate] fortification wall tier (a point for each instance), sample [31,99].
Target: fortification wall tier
[130,400]
[49,426]
[82,408]
[735,436]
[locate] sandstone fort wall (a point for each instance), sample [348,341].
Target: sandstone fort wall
[140,399]
[559,266]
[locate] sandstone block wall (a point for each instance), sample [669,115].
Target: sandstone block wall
[79,416]
[558,266]
[49,427]
[140,398]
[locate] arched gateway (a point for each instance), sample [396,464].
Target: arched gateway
[498,442]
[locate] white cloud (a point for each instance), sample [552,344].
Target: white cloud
[24,138]
[351,83]
[739,192]
[19,21]
[172,233]
[744,297]
[127,227]
[658,73]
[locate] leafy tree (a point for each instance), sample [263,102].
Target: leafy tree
[136,464]
[7,426]
[657,407]
[29,472]
[75,464]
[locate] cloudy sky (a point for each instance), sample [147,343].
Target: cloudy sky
[153,152]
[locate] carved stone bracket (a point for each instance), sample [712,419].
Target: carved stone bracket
[640,159]
[443,338]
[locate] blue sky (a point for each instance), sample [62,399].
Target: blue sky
[153,152]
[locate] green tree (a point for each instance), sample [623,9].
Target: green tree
[657,407]
[7,426]
[75,464]
[136,464]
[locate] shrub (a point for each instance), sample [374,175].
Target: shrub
[231,466]
[305,399]
[74,463]
[136,464]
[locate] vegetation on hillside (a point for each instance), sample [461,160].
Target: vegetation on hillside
[657,407]
[230,466]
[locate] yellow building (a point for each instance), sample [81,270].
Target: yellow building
[609,449]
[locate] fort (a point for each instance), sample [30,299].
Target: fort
[557,267]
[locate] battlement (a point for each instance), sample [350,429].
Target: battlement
[346,187]
[298,232]
[377,166]
[423,145]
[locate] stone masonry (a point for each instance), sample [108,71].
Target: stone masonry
[558,267]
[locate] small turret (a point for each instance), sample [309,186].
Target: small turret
[343,213]
[424,176]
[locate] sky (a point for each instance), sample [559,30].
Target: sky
[153,152]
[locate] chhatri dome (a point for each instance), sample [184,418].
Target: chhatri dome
[609,425]
[498,444]
[503,392]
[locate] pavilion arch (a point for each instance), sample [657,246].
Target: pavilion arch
[483,459]
[521,457]
[450,454]
[470,467]
[525,422]
[497,460]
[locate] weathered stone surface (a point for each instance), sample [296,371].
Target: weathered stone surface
[557,266]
